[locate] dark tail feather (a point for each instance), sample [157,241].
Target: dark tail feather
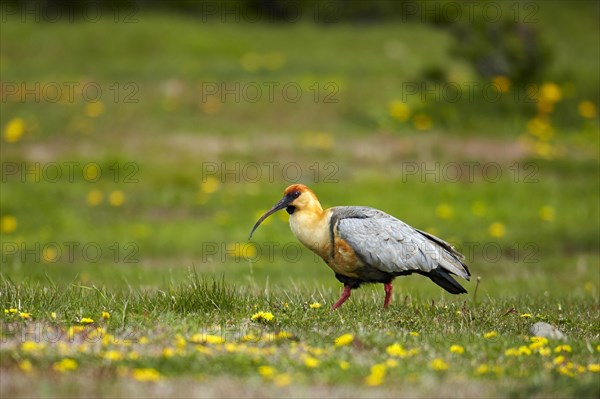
[445,280]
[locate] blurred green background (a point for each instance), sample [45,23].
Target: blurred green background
[140,141]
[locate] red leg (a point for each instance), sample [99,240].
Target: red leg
[345,295]
[388,294]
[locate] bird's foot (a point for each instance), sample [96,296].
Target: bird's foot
[388,295]
[345,295]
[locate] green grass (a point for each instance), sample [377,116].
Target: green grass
[158,328]
[175,260]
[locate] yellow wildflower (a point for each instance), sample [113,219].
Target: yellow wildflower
[86,320]
[318,140]
[282,380]
[587,109]
[50,254]
[14,130]
[95,109]
[107,339]
[315,305]
[232,347]
[399,111]
[526,315]
[412,352]
[25,315]
[539,343]
[284,335]
[13,311]
[545,106]
[497,230]
[116,198]
[558,360]
[264,317]
[311,362]
[422,121]
[490,335]
[267,372]
[594,367]
[524,350]
[539,340]
[344,365]
[53,315]
[74,330]
[31,346]
[564,370]
[511,352]
[168,352]
[316,351]
[180,342]
[562,348]
[92,173]
[94,334]
[438,364]
[396,350]
[535,345]
[502,83]
[94,197]
[207,338]
[391,363]
[105,315]
[458,349]
[343,340]
[268,337]
[25,366]
[544,351]
[376,376]
[482,369]
[414,334]
[550,91]
[8,224]
[65,365]
[146,374]
[209,185]
[112,355]
[250,337]
[444,211]
[547,213]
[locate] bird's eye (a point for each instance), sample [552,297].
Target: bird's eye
[296,194]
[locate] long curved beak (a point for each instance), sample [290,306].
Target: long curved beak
[283,203]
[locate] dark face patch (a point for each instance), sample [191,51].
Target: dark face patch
[293,195]
[290,209]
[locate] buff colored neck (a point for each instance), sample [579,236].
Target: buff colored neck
[310,224]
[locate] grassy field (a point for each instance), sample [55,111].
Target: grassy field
[126,207]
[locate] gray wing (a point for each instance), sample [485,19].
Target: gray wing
[392,246]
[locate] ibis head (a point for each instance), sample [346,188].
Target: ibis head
[296,197]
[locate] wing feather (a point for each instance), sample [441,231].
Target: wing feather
[390,245]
